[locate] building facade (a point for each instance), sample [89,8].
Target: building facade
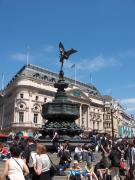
[21,101]
[21,104]
[127,125]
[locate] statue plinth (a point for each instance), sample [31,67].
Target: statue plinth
[61,113]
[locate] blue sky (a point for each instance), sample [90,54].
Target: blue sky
[103,32]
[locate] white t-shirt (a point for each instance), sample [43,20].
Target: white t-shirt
[44,162]
[78,150]
[15,171]
[133,154]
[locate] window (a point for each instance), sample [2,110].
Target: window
[35,120]
[36,108]
[45,99]
[21,96]
[93,125]
[36,98]
[21,106]
[21,117]
[98,125]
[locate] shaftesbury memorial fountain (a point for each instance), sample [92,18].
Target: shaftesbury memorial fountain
[61,113]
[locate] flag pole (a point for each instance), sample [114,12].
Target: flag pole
[27,57]
[2,83]
[90,78]
[75,74]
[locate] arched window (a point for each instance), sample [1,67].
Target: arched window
[45,78]
[36,75]
[52,80]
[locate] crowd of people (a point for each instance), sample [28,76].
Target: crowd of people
[29,160]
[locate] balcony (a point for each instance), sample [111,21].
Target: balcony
[25,125]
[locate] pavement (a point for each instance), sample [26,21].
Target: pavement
[55,159]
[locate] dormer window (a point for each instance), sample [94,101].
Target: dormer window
[21,95]
[37,75]
[36,98]
[36,108]
[21,106]
[45,99]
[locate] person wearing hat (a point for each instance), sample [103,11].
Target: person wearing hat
[75,172]
[89,171]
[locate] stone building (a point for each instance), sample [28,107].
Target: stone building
[21,101]
[111,113]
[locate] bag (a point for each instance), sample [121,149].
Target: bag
[32,159]
[53,170]
[122,165]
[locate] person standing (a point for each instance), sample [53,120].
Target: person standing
[133,154]
[115,157]
[43,165]
[29,156]
[55,140]
[15,168]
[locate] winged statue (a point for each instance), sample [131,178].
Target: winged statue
[65,54]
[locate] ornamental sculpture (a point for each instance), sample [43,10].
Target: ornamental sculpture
[65,54]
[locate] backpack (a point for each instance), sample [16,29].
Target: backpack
[32,159]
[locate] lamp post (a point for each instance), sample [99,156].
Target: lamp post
[111,109]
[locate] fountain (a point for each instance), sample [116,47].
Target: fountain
[61,113]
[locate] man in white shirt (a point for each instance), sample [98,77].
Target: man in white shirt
[78,153]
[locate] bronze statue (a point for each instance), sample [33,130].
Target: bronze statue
[65,54]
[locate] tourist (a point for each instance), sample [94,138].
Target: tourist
[43,165]
[85,153]
[74,173]
[60,150]
[115,157]
[104,144]
[65,160]
[29,155]
[89,171]
[91,155]
[67,146]
[15,168]
[4,153]
[102,168]
[55,140]
[78,153]
[133,154]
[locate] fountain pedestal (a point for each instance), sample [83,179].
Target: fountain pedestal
[61,113]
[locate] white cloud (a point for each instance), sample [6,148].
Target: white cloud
[130,86]
[94,64]
[129,103]
[128,100]
[19,56]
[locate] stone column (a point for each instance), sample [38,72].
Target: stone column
[88,117]
[80,120]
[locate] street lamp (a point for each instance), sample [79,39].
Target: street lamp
[113,109]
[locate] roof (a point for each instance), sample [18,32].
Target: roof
[44,74]
[107,98]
